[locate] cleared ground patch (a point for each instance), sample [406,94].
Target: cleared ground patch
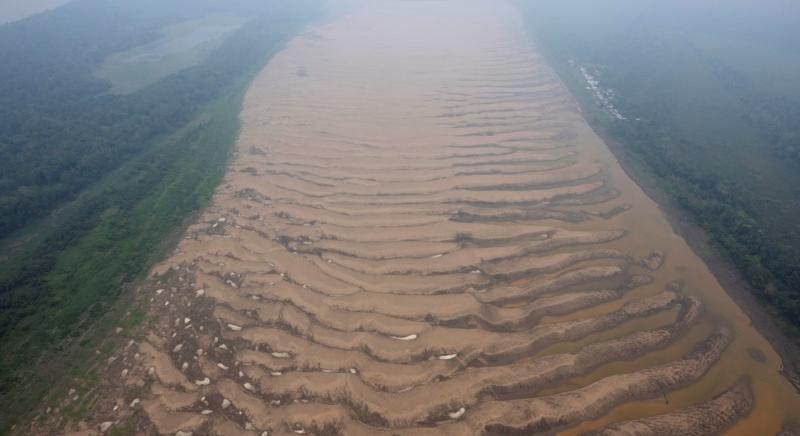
[181,45]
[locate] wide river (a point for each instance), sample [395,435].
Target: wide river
[420,234]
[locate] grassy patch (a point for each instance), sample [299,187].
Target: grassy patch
[65,281]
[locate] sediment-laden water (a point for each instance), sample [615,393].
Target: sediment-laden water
[420,234]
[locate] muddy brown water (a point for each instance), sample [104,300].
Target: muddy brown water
[413,237]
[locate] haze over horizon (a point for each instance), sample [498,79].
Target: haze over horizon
[15,10]
[402,217]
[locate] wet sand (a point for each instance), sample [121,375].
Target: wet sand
[420,234]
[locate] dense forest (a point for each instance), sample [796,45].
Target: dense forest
[709,106]
[92,183]
[59,129]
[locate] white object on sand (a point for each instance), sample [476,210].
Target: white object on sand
[457,414]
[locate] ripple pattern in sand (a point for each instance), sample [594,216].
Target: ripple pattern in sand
[409,239]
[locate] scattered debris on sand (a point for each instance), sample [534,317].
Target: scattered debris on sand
[399,248]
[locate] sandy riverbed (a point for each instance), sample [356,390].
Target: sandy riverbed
[420,234]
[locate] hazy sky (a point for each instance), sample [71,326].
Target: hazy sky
[13,10]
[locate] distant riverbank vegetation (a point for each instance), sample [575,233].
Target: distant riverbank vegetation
[92,182]
[709,100]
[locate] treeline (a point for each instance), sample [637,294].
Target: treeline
[60,131]
[120,172]
[712,107]
[773,269]
[724,204]
[777,119]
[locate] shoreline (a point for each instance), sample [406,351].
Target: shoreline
[726,273]
[328,279]
[698,240]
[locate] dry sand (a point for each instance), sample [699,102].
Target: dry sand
[420,234]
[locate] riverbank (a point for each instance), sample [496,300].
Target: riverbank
[726,273]
[467,259]
[600,118]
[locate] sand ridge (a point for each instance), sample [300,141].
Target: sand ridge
[418,233]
